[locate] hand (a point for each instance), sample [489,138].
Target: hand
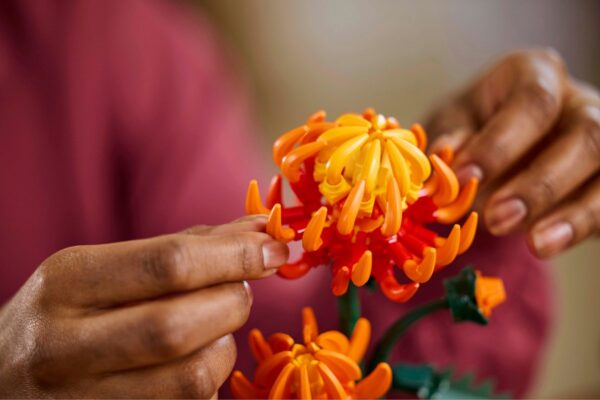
[144,318]
[531,134]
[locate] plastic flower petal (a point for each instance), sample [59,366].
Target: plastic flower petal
[324,366]
[366,192]
[472,296]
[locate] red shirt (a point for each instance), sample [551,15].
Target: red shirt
[124,119]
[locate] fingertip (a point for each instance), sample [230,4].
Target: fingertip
[548,240]
[275,254]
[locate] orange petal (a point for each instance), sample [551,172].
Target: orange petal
[282,387]
[290,166]
[462,204]
[360,339]
[304,383]
[352,120]
[274,227]
[286,142]
[318,116]
[258,345]
[376,384]
[361,271]
[254,204]
[269,369]
[489,293]
[349,212]
[447,252]
[446,154]
[393,209]
[333,387]
[343,367]
[274,194]
[396,292]
[392,123]
[421,136]
[431,185]
[314,131]
[467,232]
[241,387]
[447,190]
[333,340]
[341,279]
[311,239]
[368,113]
[310,329]
[422,271]
[280,342]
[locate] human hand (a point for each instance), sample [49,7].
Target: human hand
[531,134]
[144,318]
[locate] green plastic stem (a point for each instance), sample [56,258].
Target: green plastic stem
[349,309]
[389,339]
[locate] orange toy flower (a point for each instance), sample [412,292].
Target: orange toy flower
[324,367]
[366,192]
[489,293]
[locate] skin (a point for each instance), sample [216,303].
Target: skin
[145,318]
[531,133]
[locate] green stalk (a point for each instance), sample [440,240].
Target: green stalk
[349,309]
[387,342]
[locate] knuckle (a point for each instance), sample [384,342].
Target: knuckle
[246,250]
[543,98]
[162,334]
[199,381]
[165,263]
[243,298]
[541,191]
[591,132]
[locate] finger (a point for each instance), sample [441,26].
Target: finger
[118,273]
[451,125]
[197,376]
[569,224]
[520,119]
[159,331]
[568,163]
[248,223]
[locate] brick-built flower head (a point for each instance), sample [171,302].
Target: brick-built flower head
[366,191]
[325,366]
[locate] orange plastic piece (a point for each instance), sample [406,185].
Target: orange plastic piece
[339,284]
[286,142]
[446,154]
[311,239]
[280,342]
[421,272]
[419,132]
[396,292]
[462,204]
[359,340]
[254,204]
[290,165]
[376,384]
[325,366]
[317,117]
[258,345]
[489,293]
[276,229]
[467,233]
[350,209]
[393,210]
[274,194]
[447,190]
[361,271]
[447,251]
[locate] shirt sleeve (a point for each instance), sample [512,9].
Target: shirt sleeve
[183,130]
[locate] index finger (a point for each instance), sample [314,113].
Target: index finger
[137,270]
[519,119]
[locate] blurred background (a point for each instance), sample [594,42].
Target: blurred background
[401,57]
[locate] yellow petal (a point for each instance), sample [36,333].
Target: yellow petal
[371,163]
[353,120]
[340,155]
[421,169]
[341,134]
[399,167]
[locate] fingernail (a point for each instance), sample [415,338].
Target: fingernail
[466,172]
[275,254]
[249,291]
[506,215]
[551,240]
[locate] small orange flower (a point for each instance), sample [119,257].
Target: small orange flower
[324,367]
[489,293]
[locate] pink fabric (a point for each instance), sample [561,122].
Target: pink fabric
[124,119]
